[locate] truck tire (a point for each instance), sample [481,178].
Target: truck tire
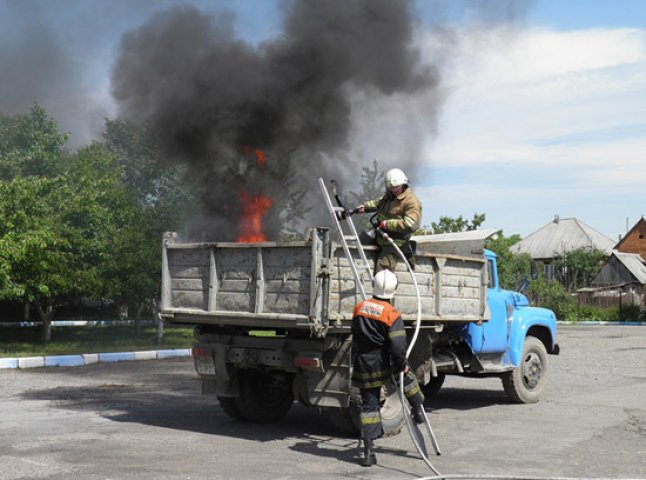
[230,407]
[525,383]
[264,397]
[343,420]
[434,385]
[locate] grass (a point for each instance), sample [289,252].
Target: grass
[25,342]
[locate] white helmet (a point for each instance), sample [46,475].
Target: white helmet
[384,285]
[395,177]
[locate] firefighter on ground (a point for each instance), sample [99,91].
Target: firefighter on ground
[399,214]
[378,352]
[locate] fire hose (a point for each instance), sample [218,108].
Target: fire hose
[415,434]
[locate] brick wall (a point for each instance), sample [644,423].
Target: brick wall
[635,240]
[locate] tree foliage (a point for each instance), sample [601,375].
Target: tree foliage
[30,145]
[457,224]
[579,267]
[83,225]
[513,269]
[552,295]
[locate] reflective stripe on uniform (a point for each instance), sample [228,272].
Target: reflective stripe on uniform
[412,389]
[411,223]
[370,375]
[370,418]
[397,333]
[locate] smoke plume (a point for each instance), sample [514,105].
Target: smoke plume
[214,100]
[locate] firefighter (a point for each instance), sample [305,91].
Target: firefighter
[399,214]
[379,351]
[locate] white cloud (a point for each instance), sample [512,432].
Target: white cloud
[543,122]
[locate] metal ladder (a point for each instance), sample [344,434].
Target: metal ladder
[348,238]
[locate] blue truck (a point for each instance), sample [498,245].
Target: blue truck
[272,323]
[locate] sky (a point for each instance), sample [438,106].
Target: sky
[543,108]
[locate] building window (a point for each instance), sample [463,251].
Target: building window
[548,270]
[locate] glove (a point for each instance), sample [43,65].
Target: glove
[382,225]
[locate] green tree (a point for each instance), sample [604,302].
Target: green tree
[552,295]
[512,268]
[579,267]
[372,187]
[34,258]
[30,145]
[57,212]
[455,224]
[158,199]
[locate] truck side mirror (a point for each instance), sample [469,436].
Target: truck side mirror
[523,285]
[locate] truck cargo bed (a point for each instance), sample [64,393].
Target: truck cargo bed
[307,284]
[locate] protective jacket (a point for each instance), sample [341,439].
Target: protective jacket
[402,214]
[378,343]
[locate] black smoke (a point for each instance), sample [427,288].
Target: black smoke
[210,98]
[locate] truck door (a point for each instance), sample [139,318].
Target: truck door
[491,336]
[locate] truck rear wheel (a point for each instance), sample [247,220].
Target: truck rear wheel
[525,383]
[434,385]
[230,407]
[264,397]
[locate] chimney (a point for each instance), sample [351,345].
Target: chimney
[556,218]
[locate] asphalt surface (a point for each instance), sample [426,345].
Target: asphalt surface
[148,420]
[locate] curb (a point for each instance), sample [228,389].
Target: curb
[612,324]
[90,358]
[77,323]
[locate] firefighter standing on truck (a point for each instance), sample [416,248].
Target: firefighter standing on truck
[379,351]
[399,214]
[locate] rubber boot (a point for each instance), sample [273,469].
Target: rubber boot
[369,458]
[418,414]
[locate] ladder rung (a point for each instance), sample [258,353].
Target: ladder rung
[352,238]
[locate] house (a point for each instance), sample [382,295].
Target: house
[635,240]
[622,269]
[558,237]
[622,276]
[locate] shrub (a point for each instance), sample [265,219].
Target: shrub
[554,296]
[630,313]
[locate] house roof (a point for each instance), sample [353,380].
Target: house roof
[561,235]
[634,263]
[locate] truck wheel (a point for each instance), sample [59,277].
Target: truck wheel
[525,383]
[343,420]
[229,406]
[432,387]
[264,397]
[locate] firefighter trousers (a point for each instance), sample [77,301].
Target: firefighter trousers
[371,427]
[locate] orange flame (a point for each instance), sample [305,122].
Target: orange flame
[253,209]
[261,157]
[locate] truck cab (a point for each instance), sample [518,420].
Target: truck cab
[513,344]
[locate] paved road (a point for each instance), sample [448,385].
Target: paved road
[147,420]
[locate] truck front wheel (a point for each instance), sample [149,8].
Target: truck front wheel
[525,383]
[264,397]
